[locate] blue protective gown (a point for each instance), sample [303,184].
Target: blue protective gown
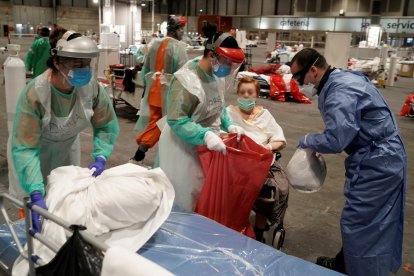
[360,122]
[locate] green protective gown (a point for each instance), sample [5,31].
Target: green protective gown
[195,105]
[141,54]
[37,56]
[174,58]
[47,126]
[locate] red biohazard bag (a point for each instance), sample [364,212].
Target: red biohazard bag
[297,96]
[233,182]
[277,88]
[278,91]
[407,109]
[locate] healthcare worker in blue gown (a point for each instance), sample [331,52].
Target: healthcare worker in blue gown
[359,121]
[51,112]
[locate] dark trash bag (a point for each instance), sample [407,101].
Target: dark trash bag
[272,201]
[232,182]
[75,258]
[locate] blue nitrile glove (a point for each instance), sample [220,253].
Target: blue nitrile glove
[98,165]
[302,142]
[37,199]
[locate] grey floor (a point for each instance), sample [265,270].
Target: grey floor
[312,220]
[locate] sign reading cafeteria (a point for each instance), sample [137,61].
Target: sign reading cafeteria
[338,24]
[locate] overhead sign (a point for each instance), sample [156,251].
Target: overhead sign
[336,24]
[398,25]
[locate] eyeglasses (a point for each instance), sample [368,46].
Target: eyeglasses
[300,76]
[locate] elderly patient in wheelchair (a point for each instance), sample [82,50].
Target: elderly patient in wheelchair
[261,126]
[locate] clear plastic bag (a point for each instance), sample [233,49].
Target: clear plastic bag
[306,171]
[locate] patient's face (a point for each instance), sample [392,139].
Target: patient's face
[247,91]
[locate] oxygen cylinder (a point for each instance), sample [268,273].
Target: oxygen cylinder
[15,78]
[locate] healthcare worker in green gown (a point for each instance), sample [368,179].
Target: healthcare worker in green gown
[196,113]
[51,112]
[38,54]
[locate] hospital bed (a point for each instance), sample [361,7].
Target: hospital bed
[190,244]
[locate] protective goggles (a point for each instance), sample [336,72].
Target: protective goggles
[299,76]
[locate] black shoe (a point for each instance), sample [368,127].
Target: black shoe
[330,263]
[139,155]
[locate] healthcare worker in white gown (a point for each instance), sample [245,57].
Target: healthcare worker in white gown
[51,112]
[195,114]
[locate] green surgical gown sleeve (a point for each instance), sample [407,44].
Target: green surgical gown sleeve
[105,125]
[25,141]
[180,106]
[225,120]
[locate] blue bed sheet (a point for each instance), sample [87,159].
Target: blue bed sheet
[189,244]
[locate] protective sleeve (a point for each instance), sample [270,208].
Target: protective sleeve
[25,141]
[180,106]
[105,125]
[225,120]
[341,117]
[140,55]
[180,57]
[149,58]
[28,62]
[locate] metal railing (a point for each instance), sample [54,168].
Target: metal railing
[30,234]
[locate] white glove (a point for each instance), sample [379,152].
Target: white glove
[268,147]
[237,129]
[214,142]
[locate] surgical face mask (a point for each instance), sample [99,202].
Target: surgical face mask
[78,77]
[246,104]
[309,90]
[221,70]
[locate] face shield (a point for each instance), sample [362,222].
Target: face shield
[78,71]
[226,64]
[79,56]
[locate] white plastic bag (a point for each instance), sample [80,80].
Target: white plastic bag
[305,171]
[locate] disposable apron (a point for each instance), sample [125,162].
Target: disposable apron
[155,95]
[60,144]
[179,159]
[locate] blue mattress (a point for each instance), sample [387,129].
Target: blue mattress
[189,244]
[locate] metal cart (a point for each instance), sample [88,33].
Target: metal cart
[29,255]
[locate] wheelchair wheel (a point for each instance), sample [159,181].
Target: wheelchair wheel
[279,237]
